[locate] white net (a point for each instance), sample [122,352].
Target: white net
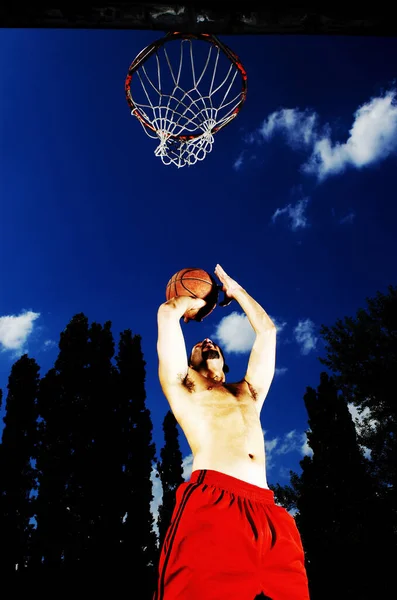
[186,88]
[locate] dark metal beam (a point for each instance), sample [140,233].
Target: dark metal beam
[244,17]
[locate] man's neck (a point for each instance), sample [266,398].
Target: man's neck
[216,376]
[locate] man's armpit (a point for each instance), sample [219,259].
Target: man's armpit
[187,382]
[252,390]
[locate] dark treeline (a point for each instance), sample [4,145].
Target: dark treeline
[77,455]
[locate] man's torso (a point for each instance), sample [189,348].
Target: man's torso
[222,426]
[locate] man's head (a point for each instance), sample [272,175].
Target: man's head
[207,355]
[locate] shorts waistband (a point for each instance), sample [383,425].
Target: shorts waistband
[233,485]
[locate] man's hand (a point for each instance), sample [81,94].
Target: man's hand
[185,306]
[229,285]
[195,306]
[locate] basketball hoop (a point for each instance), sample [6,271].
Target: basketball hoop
[185,105]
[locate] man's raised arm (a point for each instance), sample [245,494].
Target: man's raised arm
[171,349]
[262,360]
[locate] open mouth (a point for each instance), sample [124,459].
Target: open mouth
[210,353]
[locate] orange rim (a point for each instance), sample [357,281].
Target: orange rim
[147,52]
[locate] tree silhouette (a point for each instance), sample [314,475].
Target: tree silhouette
[138,539]
[64,449]
[170,472]
[100,462]
[362,353]
[17,475]
[87,425]
[340,519]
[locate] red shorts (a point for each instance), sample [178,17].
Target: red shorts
[228,539]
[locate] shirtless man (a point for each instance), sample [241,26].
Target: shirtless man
[227,537]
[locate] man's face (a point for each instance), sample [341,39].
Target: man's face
[206,351]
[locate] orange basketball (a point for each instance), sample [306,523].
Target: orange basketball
[196,283]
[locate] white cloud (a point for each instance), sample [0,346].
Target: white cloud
[372,137]
[366,451]
[251,138]
[270,446]
[304,335]
[281,371]
[298,126]
[187,465]
[290,442]
[15,330]
[238,162]
[235,334]
[294,442]
[278,324]
[48,344]
[295,213]
[348,219]
[157,489]
[305,448]
[284,472]
[362,419]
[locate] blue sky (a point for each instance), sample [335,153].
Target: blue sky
[295,201]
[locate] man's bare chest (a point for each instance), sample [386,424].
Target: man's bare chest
[219,414]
